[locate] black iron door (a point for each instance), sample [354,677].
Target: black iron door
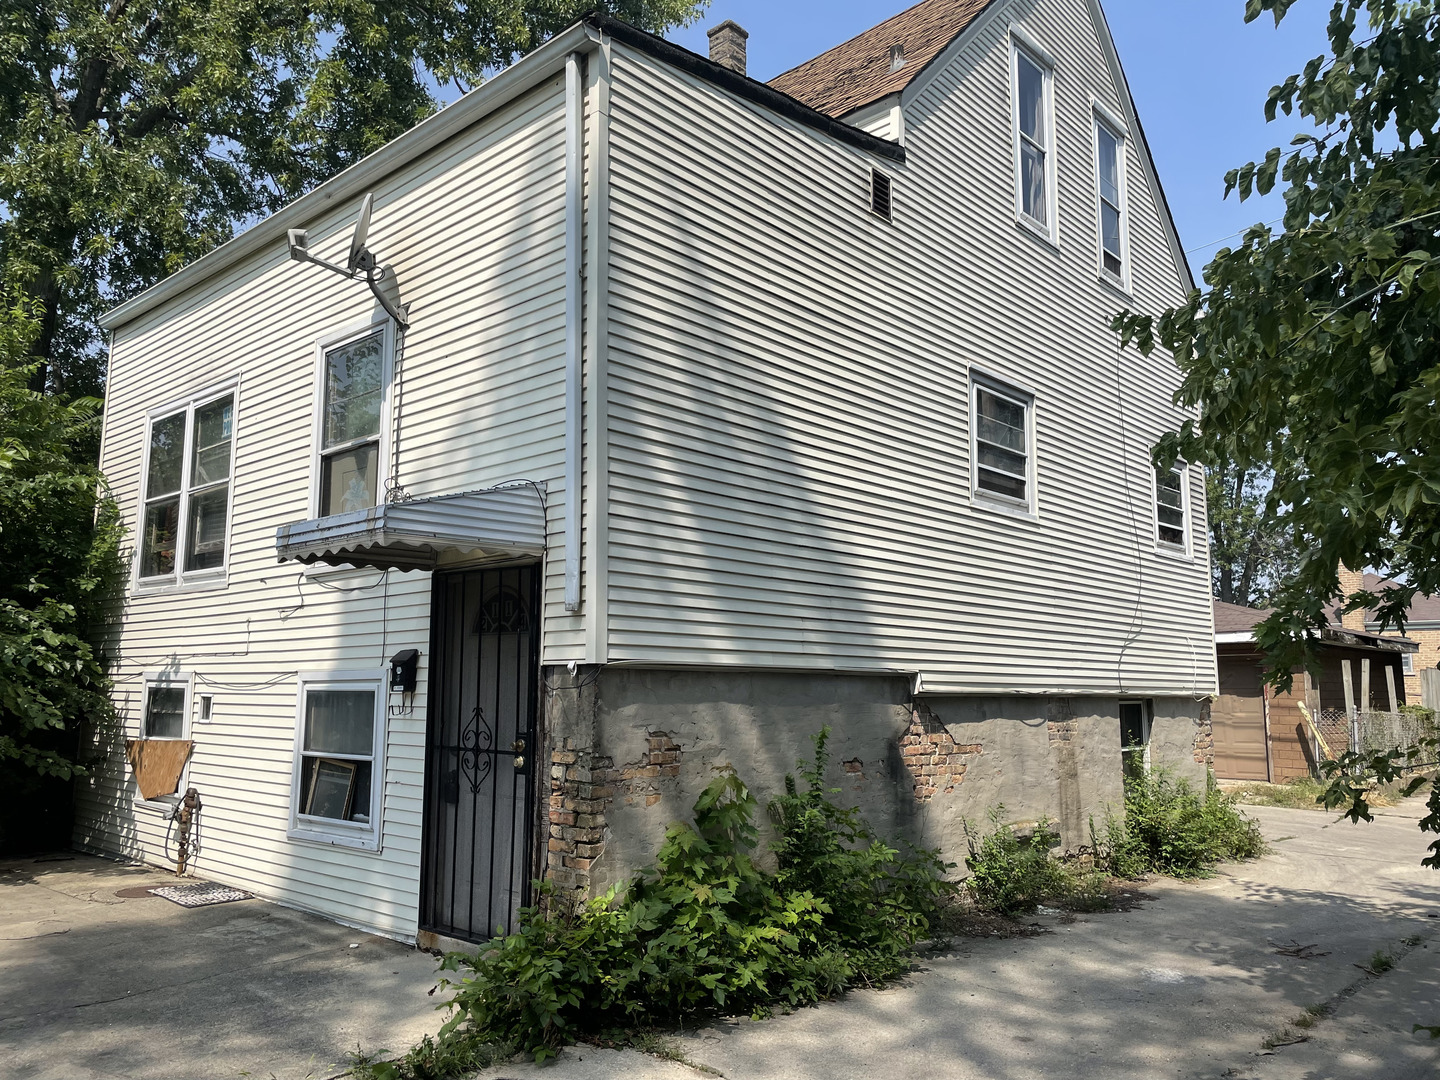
[479,752]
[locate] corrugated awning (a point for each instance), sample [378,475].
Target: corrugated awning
[413,535]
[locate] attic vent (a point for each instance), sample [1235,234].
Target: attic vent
[880,194]
[897,57]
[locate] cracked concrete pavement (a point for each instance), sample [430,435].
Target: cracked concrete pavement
[1190,984]
[95,985]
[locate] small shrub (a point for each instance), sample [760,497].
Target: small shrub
[1011,875]
[1170,829]
[1087,890]
[706,932]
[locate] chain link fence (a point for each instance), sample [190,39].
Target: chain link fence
[1373,730]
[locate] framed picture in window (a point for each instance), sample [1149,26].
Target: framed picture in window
[332,788]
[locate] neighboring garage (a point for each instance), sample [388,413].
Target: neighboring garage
[1262,735]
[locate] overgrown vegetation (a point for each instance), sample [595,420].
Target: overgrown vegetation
[1169,828]
[1011,874]
[706,932]
[1301,793]
[59,562]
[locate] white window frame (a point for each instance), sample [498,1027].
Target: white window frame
[327,344]
[1021,44]
[1407,663]
[1182,470]
[352,834]
[167,679]
[1105,121]
[180,577]
[1029,506]
[1147,725]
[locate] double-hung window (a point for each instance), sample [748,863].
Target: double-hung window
[186,514]
[159,757]
[1110,170]
[339,766]
[1000,444]
[1170,518]
[1034,141]
[353,384]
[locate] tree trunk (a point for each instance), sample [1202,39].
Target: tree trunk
[47,296]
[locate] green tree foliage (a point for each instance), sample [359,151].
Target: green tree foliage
[135,136]
[59,562]
[1251,551]
[1314,354]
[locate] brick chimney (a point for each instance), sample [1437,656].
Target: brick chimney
[1351,582]
[727,46]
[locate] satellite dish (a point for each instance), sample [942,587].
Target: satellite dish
[358,254]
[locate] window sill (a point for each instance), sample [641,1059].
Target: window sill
[1116,285]
[164,805]
[358,842]
[220,580]
[1170,551]
[1038,232]
[980,500]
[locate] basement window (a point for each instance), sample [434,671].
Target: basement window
[880,194]
[1135,737]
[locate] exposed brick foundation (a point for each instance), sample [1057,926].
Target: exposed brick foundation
[1060,723]
[583,785]
[1204,737]
[936,762]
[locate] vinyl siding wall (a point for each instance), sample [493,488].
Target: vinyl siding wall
[475,231]
[789,386]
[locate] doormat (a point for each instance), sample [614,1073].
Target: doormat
[202,894]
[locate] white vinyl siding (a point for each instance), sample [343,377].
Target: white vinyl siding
[790,470]
[475,233]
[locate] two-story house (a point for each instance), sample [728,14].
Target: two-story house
[674,416]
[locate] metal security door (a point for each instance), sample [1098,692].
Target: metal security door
[480,739]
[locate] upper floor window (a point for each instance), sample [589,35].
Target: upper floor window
[354,376]
[1110,167]
[1000,443]
[1170,523]
[186,506]
[1034,141]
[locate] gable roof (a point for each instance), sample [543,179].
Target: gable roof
[857,72]
[1235,619]
[1424,609]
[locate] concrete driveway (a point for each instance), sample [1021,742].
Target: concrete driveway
[1191,984]
[96,985]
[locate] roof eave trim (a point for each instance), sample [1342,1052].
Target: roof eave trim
[746,88]
[523,75]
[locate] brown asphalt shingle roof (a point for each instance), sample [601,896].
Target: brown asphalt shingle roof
[1234,619]
[856,73]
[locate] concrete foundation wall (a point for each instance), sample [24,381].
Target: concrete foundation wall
[631,749]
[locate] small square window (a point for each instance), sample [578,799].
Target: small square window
[164,712]
[1000,443]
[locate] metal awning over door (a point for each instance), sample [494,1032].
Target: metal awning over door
[416,534]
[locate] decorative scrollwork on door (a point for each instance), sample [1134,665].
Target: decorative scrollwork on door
[503,612]
[475,759]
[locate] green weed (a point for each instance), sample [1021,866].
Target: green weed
[1171,829]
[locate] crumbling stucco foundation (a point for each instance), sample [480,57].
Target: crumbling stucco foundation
[631,749]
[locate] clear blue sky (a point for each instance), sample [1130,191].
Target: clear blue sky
[1198,72]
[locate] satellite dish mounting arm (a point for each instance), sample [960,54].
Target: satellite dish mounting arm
[360,262]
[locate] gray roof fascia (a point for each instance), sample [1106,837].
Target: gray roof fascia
[525,74]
